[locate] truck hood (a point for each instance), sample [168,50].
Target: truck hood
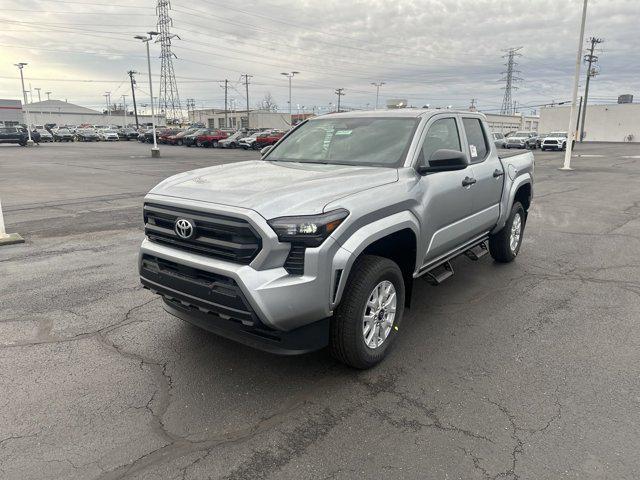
[274,189]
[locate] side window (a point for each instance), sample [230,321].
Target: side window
[443,133]
[476,139]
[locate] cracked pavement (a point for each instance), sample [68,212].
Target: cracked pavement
[523,371]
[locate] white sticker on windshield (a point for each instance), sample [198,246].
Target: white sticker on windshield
[343,132]
[474,151]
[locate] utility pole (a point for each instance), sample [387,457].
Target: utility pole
[246,77]
[38,89]
[472,107]
[592,71]
[576,78]
[377,85]
[579,109]
[226,114]
[133,95]
[340,93]
[124,109]
[510,77]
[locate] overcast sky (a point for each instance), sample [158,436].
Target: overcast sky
[437,52]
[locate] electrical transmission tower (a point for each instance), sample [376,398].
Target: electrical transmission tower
[169,100]
[592,71]
[510,77]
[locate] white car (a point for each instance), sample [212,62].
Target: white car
[109,135]
[247,142]
[554,141]
[231,141]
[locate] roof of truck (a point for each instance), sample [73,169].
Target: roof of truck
[400,112]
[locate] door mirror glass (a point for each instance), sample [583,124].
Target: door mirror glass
[265,150]
[444,160]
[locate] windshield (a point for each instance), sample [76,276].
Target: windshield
[521,134]
[63,130]
[372,141]
[557,135]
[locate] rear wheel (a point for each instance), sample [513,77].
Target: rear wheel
[215,144]
[505,245]
[365,323]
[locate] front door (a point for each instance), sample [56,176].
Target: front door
[446,201]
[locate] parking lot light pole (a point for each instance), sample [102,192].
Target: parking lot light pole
[155,151]
[290,75]
[571,133]
[377,85]
[20,66]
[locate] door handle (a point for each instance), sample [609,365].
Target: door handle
[498,173]
[468,181]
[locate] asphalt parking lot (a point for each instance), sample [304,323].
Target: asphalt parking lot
[529,370]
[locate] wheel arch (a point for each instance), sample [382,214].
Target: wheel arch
[394,237]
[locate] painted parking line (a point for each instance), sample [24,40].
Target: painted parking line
[587,155]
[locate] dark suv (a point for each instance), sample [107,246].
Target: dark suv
[14,135]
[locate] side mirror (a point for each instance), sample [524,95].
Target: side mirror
[444,160]
[265,150]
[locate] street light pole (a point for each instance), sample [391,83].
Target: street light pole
[124,109]
[20,66]
[290,75]
[571,134]
[377,85]
[155,151]
[38,89]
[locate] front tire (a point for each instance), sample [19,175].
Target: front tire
[365,323]
[505,245]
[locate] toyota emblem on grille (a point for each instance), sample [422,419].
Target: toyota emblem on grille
[184,228]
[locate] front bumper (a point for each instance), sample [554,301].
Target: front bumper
[260,297]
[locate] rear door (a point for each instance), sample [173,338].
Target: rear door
[487,172]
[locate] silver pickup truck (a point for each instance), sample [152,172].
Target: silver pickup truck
[319,242]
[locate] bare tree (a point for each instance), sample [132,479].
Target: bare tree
[268,103]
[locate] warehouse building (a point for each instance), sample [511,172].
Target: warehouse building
[617,122]
[10,112]
[215,118]
[65,113]
[510,123]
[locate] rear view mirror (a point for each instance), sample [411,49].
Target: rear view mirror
[444,160]
[265,150]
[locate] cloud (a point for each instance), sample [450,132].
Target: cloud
[439,52]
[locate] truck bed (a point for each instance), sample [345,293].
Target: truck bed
[506,153]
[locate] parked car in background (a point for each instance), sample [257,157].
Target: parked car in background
[178,138]
[554,141]
[127,134]
[190,139]
[14,135]
[211,138]
[50,127]
[163,135]
[521,140]
[247,142]
[87,135]
[63,135]
[232,140]
[45,136]
[107,135]
[541,136]
[499,140]
[267,138]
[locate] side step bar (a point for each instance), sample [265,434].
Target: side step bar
[439,271]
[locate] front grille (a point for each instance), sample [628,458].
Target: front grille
[295,260]
[217,236]
[191,287]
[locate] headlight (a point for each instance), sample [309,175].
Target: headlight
[310,230]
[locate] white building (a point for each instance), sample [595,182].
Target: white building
[65,113]
[617,122]
[508,123]
[215,118]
